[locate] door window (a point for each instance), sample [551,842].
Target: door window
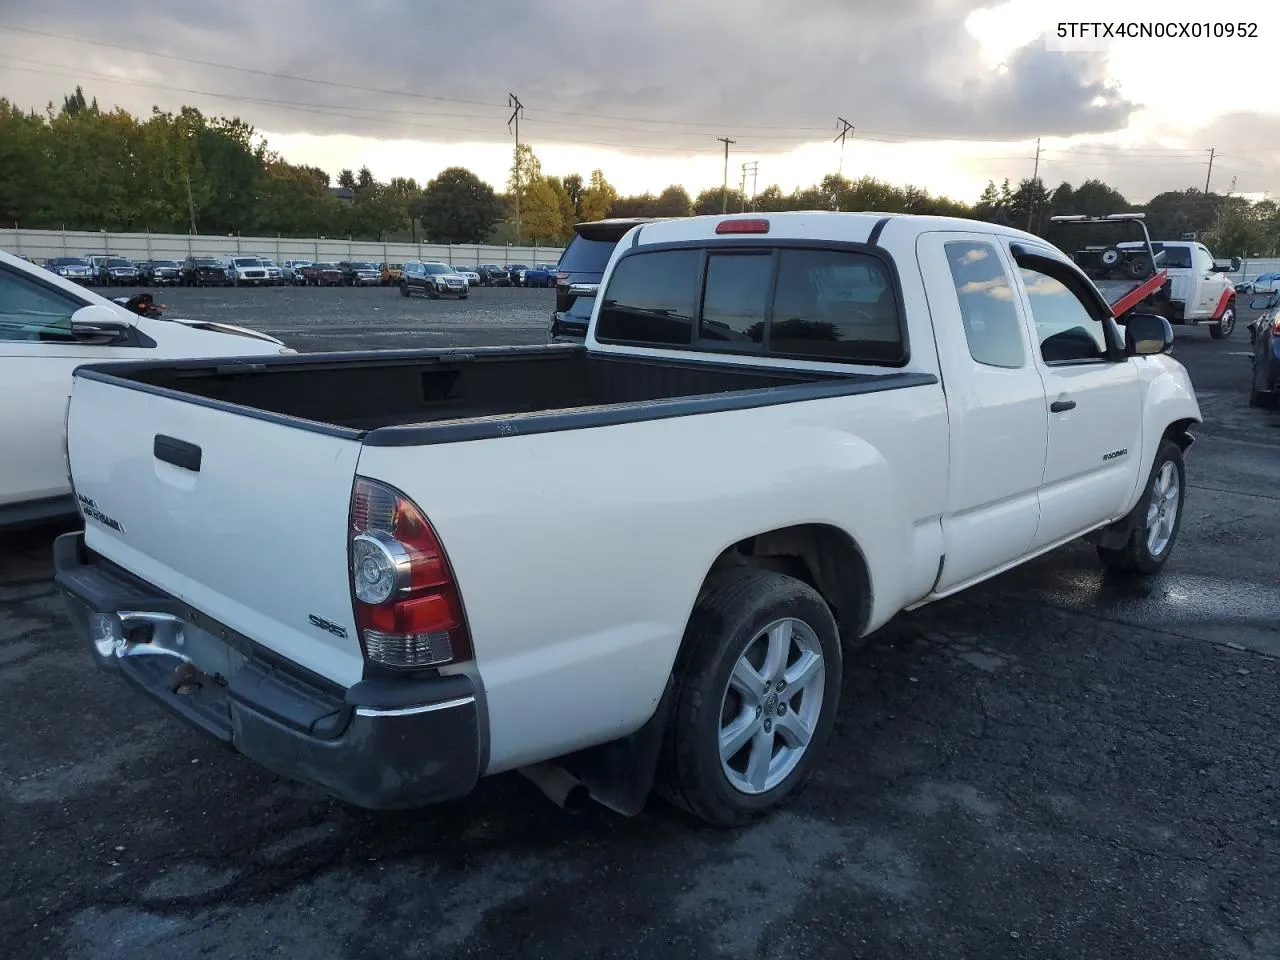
[33,311]
[991,325]
[1067,331]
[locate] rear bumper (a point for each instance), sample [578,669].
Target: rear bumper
[378,744]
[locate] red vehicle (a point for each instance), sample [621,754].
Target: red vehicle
[322,275]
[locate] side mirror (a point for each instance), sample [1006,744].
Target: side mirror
[97,324]
[1146,334]
[1235,264]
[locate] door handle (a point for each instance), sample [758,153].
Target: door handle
[180,453]
[1062,406]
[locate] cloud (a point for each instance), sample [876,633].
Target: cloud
[767,73]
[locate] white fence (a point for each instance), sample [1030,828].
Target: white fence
[1253,268]
[39,245]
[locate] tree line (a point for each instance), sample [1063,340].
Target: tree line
[81,167]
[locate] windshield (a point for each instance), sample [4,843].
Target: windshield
[208,263]
[247,262]
[117,262]
[519,266]
[326,266]
[163,263]
[71,262]
[436,268]
[363,266]
[586,256]
[491,266]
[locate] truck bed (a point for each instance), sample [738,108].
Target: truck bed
[425,396]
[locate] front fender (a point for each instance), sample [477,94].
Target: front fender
[1168,398]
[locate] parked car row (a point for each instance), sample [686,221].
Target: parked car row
[98,269]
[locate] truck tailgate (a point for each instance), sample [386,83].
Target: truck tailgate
[244,519]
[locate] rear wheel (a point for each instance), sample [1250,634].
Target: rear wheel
[404,289]
[1158,517]
[757,684]
[1265,401]
[1226,323]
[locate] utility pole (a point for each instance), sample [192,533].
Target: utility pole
[1210,173]
[191,204]
[1035,179]
[750,167]
[846,128]
[724,201]
[517,108]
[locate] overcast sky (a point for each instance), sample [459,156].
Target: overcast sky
[942,93]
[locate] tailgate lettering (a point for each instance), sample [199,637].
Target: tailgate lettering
[329,625]
[90,509]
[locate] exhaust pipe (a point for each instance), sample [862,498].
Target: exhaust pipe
[565,790]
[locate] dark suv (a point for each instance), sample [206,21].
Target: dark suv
[203,272]
[581,269]
[492,275]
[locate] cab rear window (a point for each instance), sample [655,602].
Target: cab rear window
[809,303]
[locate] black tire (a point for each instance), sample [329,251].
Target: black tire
[1260,400]
[462,297]
[1136,557]
[1226,323]
[404,289]
[726,621]
[432,294]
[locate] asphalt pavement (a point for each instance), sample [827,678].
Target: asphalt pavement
[1053,764]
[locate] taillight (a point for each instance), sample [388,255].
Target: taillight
[743,226]
[408,610]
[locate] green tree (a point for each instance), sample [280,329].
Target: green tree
[772,200]
[1096,199]
[458,207]
[568,214]
[637,205]
[709,201]
[26,168]
[541,217]
[346,178]
[673,202]
[573,187]
[598,197]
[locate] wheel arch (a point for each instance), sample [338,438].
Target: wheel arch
[824,556]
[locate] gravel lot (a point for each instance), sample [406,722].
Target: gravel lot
[1053,764]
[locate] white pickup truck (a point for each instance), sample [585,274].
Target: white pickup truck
[633,562]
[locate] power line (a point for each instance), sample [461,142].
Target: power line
[152,54]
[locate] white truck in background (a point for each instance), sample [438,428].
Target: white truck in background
[363,570]
[1176,279]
